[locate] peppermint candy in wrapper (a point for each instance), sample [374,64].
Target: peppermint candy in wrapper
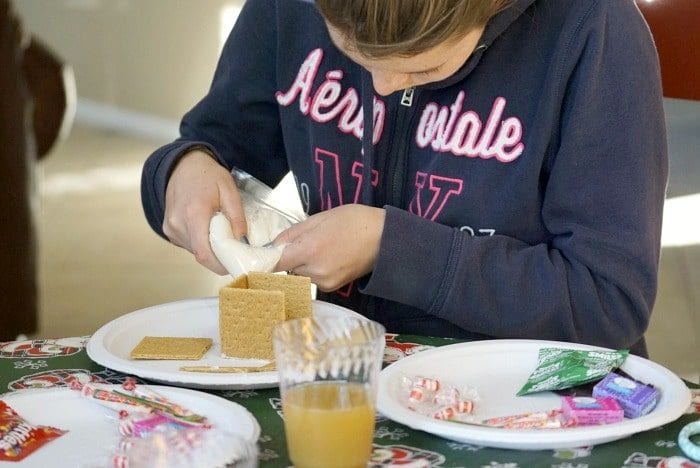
[437,399]
[157,431]
[184,448]
[18,438]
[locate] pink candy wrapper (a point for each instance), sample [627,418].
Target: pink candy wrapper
[538,420]
[142,426]
[586,411]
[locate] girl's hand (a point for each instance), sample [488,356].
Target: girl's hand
[333,247]
[198,187]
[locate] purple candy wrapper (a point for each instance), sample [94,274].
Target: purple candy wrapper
[636,398]
[586,411]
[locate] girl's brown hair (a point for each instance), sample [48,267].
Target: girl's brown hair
[382,28]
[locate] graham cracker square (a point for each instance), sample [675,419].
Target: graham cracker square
[246,320]
[170,347]
[296,289]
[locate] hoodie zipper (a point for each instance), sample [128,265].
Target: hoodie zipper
[398,158]
[401,139]
[407,97]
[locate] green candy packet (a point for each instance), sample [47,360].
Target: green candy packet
[560,368]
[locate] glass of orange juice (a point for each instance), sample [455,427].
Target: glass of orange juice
[328,369]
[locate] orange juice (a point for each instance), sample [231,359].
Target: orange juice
[328,424]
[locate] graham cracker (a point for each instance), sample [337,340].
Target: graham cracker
[296,289]
[271,366]
[239,282]
[170,347]
[246,320]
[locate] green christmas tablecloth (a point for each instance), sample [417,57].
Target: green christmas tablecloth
[58,362]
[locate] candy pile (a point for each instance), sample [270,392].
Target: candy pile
[611,399]
[184,448]
[19,438]
[599,392]
[155,428]
[439,400]
[140,409]
[575,411]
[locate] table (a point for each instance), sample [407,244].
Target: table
[57,362]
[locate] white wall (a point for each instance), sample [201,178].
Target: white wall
[154,57]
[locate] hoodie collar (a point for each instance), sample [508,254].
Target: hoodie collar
[494,28]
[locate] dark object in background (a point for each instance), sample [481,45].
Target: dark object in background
[35,92]
[52,89]
[675,27]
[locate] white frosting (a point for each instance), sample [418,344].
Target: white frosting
[239,258]
[264,224]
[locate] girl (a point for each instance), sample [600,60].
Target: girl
[472,168]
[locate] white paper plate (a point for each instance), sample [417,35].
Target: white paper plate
[111,344]
[497,369]
[92,435]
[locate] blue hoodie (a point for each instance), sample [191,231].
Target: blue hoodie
[523,195]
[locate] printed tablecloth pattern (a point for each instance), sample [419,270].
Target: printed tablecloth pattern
[58,362]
